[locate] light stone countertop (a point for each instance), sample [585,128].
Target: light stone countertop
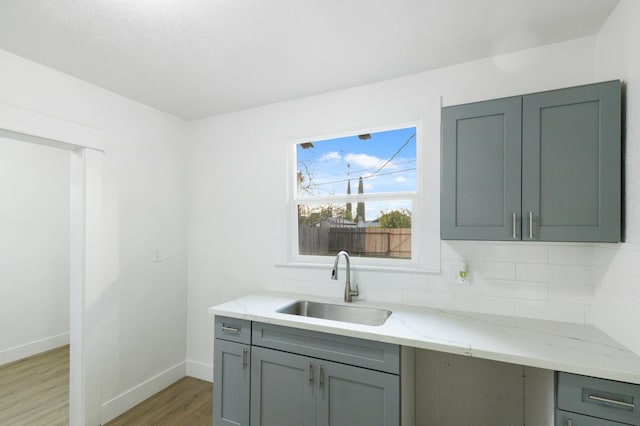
[551,345]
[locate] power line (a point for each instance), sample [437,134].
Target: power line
[354,172]
[394,155]
[364,177]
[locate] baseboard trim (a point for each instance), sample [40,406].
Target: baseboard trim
[32,348]
[132,397]
[200,370]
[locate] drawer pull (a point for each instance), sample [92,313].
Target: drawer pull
[243,358]
[227,329]
[310,374]
[611,401]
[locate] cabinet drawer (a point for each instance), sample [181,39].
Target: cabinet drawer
[235,330]
[606,399]
[565,418]
[347,350]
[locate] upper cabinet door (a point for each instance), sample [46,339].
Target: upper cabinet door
[571,170]
[481,170]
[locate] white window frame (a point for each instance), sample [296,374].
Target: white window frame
[418,261]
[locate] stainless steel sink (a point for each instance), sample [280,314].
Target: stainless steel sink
[344,313]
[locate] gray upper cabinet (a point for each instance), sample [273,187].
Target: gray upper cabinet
[571,176]
[481,171]
[539,167]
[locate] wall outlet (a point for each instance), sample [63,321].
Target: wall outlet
[459,274]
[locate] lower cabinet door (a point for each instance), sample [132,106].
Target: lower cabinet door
[353,396]
[231,383]
[282,389]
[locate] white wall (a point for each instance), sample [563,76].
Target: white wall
[237,200]
[144,312]
[34,249]
[617,295]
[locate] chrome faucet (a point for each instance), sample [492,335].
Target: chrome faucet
[348,292]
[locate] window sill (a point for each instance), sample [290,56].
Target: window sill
[374,268]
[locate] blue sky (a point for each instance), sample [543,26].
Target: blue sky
[386,162]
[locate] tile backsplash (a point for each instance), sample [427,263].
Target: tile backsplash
[616,302]
[535,280]
[584,283]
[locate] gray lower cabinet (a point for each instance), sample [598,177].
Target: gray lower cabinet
[567,418]
[231,372]
[289,389]
[583,400]
[539,167]
[352,396]
[269,375]
[282,391]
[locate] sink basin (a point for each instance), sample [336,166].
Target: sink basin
[344,313]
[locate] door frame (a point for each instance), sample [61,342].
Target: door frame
[85,145]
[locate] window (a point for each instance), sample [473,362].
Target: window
[357,193]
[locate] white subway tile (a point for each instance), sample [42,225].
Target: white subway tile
[572,293]
[588,314]
[614,319]
[568,274]
[479,251]
[448,251]
[594,275]
[371,293]
[571,255]
[437,300]
[484,304]
[493,270]
[533,253]
[537,272]
[553,311]
[533,291]
[501,288]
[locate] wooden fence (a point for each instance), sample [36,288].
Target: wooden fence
[367,242]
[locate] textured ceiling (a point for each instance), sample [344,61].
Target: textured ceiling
[196,58]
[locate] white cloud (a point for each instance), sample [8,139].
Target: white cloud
[364,161]
[331,156]
[400,179]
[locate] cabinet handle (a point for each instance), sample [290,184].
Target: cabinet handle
[321,378]
[611,401]
[243,358]
[228,329]
[514,221]
[531,225]
[569,422]
[310,375]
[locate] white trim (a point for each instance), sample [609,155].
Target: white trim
[200,370]
[86,283]
[327,264]
[33,124]
[32,348]
[132,397]
[86,288]
[425,241]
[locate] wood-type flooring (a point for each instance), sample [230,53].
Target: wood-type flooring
[35,392]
